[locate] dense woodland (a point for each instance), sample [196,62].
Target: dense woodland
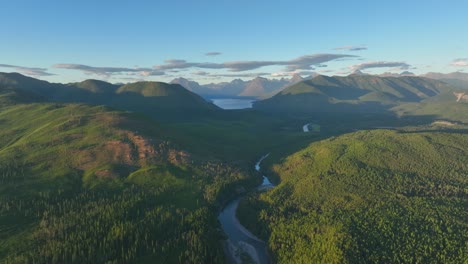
[368,197]
[57,206]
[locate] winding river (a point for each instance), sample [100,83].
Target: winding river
[238,236]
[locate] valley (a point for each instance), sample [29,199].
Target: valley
[97,172]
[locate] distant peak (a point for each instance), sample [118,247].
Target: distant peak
[358,72]
[407,73]
[179,79]
[296,78]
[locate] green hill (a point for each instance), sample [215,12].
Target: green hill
[159,100]
[96,86]
[152,89]
[368,197]
[354,93]
[441,106]
[27,84]
[86,184]
[163,95]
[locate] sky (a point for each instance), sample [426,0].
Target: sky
[220,40]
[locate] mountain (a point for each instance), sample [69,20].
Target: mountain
[454,75]
[144,96]
[391,74]
[374,196]
[226,89]
[96,86]
[87,184]
[191,86]
[296,78]
[457,79]
[358,72]
[28,84]
[258,87]
[352,93]
[261,86]
[12,96]
[150,98]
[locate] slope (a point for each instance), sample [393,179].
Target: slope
[85,184]
[259,87]
[9,96]
[368,197]
[96,86]
[355,93]
[456,79]
[155,99]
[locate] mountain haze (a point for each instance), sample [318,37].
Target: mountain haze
[258,87]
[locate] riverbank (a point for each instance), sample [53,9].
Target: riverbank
[240,240]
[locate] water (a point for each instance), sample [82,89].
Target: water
[233,103]
[235,231]
[266,184]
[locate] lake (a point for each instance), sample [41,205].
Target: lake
[233,103]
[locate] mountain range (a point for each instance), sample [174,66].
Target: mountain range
[151,98]
[262,88]
[357,93]
[258,87]
[457,79]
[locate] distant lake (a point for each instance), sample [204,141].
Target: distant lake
[233,103]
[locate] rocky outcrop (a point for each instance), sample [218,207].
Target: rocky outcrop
[461,97]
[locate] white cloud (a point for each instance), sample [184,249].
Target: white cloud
[351,48]
[460,62]
[292,73]
[305,62]
[213,53]
[106,71]
[200,73]
[380,64]
[36,72]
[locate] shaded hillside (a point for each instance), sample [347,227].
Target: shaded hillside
[452,111]
[28,84]
[10,96]
[84,184]
[163,95]
[355,93]
[162,101]
[456,79]
[368,197]
[452,105]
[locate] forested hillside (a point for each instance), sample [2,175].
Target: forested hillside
[86,184]
[368,197]
[353,93]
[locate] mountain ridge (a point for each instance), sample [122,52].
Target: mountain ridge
[149,97]
[258,87]
[353,93]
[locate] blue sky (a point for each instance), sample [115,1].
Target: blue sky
[212,41]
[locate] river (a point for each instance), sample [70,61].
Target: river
[238,236]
